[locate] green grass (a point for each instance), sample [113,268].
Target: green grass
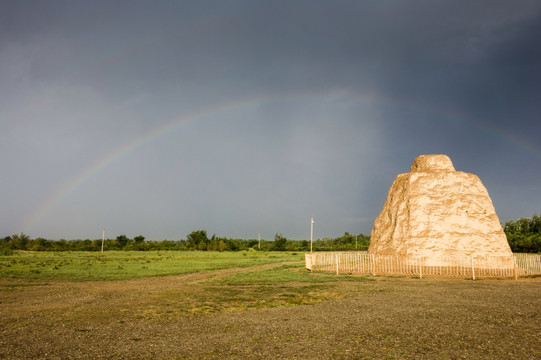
[121,265]
[284,274]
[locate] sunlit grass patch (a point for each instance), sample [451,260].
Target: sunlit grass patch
[286,285]
[201,300]
[286,273]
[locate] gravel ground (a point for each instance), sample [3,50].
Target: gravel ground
[384,319]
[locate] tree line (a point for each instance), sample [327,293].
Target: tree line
[196,240]
[524,234]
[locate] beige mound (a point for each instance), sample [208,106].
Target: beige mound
[436,212]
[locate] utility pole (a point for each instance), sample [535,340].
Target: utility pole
[102,239]
[311,232]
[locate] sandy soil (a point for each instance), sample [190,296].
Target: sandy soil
[384,319]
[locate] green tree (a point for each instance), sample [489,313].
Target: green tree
[279,242]
[139,239]
[40,244]
[221,246]
[195,238]
[122,240]
[535,241]
[536,224]
[20,241]
[524,235]
[523,225]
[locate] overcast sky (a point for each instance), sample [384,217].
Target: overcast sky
[244,117]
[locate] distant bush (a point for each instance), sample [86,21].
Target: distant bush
[5,251]
[347,242]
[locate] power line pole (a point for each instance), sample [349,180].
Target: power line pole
[102,239]
[311,232]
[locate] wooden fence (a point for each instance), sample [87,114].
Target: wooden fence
[528,264]
[362,263]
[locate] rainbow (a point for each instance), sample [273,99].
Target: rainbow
[122,151]
[100,164]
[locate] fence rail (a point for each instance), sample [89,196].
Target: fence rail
[362,263]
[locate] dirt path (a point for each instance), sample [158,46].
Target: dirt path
[389,318]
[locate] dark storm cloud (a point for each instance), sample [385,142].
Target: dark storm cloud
[365,87]
[432,48]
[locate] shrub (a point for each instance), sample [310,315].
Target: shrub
[5,251]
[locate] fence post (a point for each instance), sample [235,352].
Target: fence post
[373,265]
[337,263]
[420,268]
[472,268]
[515,269]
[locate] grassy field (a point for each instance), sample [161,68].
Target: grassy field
[252,305]
[224,281]
[122,265]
